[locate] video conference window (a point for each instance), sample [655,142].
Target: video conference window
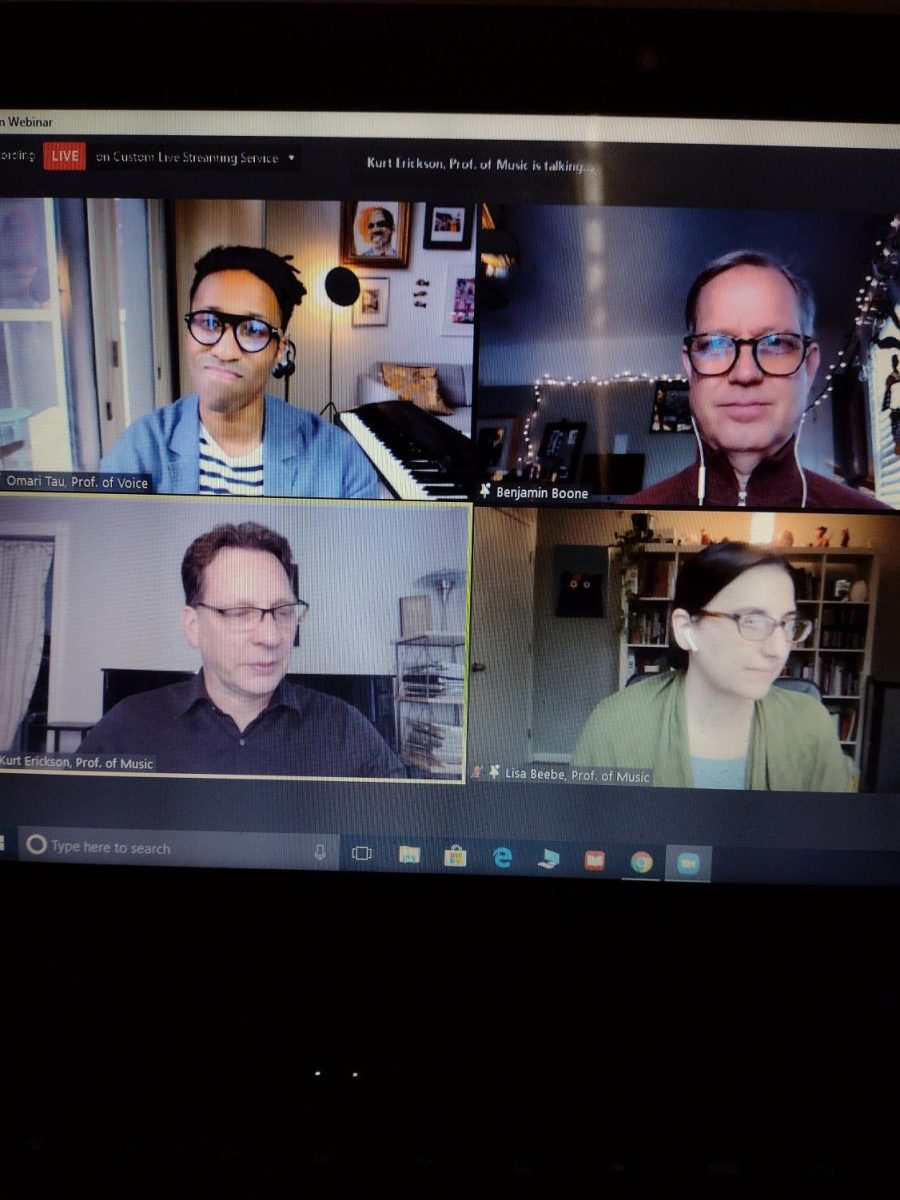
[234,637]
[673,648]
[691,357]
[237,347]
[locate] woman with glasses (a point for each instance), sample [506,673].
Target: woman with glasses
[717,721]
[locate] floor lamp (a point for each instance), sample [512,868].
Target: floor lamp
[342,289]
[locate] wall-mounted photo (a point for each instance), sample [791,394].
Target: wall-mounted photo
[375,233]
[448,227]
[459,293]
[372,306]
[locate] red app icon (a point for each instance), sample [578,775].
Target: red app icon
[595,860]
[65,156]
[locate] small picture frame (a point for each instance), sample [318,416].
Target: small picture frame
[375,233]
[498,445]
[459,303]
[374,299]
[561,449]
[448,227]
[671,407]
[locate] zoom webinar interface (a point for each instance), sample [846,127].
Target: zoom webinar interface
[480,496]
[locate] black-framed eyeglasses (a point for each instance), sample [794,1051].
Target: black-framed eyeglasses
[758,626]
[247,616]
[252,334]
[774,353]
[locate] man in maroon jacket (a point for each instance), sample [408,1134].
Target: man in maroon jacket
[751,359]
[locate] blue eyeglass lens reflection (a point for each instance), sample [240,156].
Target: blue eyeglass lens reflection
[716,346]
[252,334]
[779,345]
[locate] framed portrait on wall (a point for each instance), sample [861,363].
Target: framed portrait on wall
[375,233]
[372,306]
[448,227]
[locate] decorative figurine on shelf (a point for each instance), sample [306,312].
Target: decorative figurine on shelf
[641,530]
[785,538]
[822,540]
[845,538]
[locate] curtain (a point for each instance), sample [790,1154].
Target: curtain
[23,576]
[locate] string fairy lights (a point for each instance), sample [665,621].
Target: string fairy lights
[547,381]
[876,302]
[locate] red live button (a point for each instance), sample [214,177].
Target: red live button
[65,156]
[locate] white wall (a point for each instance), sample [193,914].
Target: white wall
[118,597]
[310,231]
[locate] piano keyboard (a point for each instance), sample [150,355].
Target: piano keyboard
[418,456]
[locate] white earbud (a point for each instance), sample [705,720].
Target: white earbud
[691,640]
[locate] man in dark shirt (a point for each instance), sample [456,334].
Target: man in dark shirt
[239,715]
[751,359]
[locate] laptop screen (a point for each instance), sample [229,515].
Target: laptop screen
[426,493]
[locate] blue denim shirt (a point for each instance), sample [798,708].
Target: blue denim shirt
[302,454]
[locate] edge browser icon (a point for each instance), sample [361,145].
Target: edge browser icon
[502,858]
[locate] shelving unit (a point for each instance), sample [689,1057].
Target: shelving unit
[837,656]
[430,695]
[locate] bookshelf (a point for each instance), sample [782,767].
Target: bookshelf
[430,689]
[830,585]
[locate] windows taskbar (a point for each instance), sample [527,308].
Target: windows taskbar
[633,862]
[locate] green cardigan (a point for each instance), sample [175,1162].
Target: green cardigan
[793,745]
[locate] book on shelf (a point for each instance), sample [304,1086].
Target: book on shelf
[837,678]
[648,627]
[843,628]
[806,583]
[846,721]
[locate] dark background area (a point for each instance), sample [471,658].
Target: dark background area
[161,1029]
[779,61]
